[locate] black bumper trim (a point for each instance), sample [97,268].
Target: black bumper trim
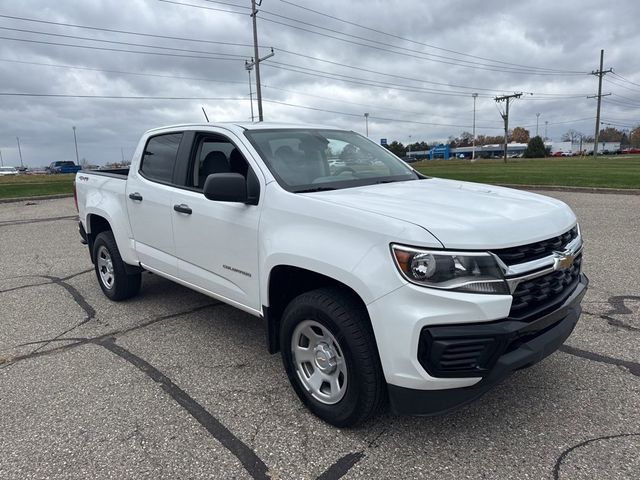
[538,339]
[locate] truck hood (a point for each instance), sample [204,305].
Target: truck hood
[462,215]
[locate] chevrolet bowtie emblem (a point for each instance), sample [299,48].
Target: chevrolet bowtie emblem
[563,260]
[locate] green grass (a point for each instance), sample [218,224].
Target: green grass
[35,185]
[621,171]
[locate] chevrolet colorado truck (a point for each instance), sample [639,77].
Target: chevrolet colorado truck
[378,285]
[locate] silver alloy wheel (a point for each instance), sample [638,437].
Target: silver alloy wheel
[105,267]
[319,362]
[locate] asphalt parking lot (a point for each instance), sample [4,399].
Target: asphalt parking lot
[173,384]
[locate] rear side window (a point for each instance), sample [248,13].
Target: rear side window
[160,157]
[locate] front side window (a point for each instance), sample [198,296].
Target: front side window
[305,160]
[215,154]
[160,156]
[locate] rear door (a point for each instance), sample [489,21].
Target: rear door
[217,242]
[149,202]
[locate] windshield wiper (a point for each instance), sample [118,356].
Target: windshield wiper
[315,189]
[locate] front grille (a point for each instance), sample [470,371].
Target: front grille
[541,293]
[537,250]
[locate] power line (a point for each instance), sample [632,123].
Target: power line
[448,60]
[113,97]
[377,72]
[126,32]
[624,79]
[417,42]
[306,107]
[121,72]
[108,49]
[269,87]
[361,81]
[115,42]
[277,102]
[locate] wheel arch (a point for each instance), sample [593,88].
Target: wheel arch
[285,283]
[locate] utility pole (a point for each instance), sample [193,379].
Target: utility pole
[254,14]
[75,140]
[473,152]
[20,152]
[366,123]
[505,117]
[537,121]
[546,124]
[599,73]
[248,66]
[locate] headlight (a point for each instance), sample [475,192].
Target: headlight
[475,272]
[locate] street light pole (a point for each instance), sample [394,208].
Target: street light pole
[537,119]
[20,152]
[546,123]
[366,123]
[473,152]
[75,140]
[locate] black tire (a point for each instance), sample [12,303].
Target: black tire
[347,321]
[122,285]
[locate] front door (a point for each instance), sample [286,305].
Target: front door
[217,242]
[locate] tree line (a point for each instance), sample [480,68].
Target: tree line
[521,135]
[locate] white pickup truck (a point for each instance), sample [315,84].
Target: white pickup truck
[375,283]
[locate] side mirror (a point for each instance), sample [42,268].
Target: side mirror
[226,187]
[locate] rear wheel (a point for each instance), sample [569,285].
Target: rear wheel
[330,355]
[110,269]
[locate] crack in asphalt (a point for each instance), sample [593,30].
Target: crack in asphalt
[342,466]
[620,308]
[80,301]
[61,279]
[618,302]
[247,457]
[563,455]
[7,223]
[632,367]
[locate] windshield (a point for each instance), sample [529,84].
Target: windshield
[306,160]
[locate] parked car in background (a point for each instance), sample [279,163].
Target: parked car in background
[631,151]
[8,171]
[63,167]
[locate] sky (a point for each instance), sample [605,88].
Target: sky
[412,65]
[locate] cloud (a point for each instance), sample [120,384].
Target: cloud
[419,91]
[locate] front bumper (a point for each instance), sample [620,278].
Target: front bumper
[513,344]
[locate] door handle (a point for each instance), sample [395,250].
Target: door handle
[182,208]
[135,196]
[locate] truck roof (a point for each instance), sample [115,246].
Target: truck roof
[241,126]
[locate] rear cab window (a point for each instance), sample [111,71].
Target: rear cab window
[159,158]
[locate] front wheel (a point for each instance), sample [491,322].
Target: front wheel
[110,269]
[330,355]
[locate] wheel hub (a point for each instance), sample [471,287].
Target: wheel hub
[325,358]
